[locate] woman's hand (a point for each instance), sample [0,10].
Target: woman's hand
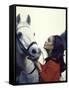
[38,65]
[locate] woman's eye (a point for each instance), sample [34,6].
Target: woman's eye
[48,40]
[34,34]
[19,34]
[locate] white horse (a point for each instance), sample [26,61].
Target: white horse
[27,51]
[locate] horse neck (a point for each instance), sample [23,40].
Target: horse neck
[20,59]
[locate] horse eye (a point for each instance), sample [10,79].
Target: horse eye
[19,34]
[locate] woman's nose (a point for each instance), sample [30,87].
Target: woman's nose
[45,44]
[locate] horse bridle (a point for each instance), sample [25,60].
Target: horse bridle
[25,51]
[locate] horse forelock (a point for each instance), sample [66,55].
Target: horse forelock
[22,24]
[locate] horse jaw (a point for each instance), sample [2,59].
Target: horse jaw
[29,65]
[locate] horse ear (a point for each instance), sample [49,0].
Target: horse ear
[18,19]
[28,19]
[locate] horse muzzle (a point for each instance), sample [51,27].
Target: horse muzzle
[34,53]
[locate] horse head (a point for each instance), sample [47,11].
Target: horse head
[25,38]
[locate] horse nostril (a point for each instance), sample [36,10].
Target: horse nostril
[34,51]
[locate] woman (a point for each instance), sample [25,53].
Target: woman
[54,66]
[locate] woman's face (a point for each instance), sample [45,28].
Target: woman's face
[49,44]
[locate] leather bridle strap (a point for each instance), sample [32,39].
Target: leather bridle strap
[23,48]
[32,71]
[31,45]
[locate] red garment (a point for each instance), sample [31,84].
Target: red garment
[50,72]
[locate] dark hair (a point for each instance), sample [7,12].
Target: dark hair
[58,51]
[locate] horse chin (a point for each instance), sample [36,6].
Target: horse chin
[37,56]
